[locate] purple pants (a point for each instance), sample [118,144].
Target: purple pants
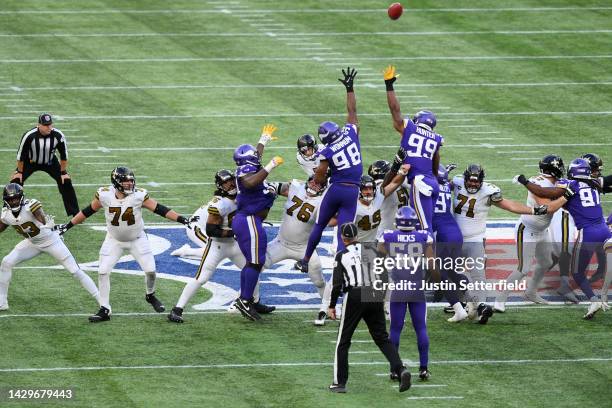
[340,199]
[418,315]
[424,205]
[252,240]
[590,240]
[449,242]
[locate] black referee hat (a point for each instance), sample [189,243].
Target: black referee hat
[45,119]
[348,230]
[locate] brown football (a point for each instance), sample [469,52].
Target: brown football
[395,11]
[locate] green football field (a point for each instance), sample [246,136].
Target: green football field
[171,88]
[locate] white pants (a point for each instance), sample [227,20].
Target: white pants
[197,236]
[112,250]
[278,251]
[530,244]
[474,250]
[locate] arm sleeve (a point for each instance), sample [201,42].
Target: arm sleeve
[607,184]
[336,280]
[62,147]
[23,152]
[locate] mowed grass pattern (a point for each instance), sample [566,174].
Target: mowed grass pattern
[170,89]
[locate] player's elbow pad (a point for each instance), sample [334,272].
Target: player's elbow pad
[88,211]
[214,230]
[161,210]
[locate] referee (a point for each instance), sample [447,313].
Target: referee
[37,153]
[361,300]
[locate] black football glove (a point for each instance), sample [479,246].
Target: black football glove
[188,221]
[520,179]
[349,78]
[62,228]
[568,193]
[398,159]
[450,167]
[540,210]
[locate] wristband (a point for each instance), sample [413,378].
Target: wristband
[161,210]
[268,167]
[389,85]
[88,211]
[69,225]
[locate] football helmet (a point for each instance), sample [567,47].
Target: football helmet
[312,189]
[13,197]
[246,154]
[552,165]
[379,169]
[406,219]
[473,177]
[442,175]
[426,119]
[305,143]
[595,162]
[122,175]
[221,178]
[579,169]
[328,132]
[367,182]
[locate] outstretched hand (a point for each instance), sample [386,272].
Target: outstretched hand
[349,78]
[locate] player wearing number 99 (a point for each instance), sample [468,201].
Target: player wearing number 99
[122,203]
[29,220]
[582,200]
[342,154]
[422,147]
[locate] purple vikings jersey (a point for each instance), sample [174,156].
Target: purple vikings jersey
[412,243]
[344,156]
[443,211]
[253,200]
[420,145]
[585,204]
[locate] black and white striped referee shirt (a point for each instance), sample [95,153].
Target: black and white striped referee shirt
[349,271]
[38,149]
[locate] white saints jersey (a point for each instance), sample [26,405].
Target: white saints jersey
[310,164]
[221,206]
[299,215]
[472,210]
[537,222]
[28,226]
[123,216]
[399,198]
[368,217]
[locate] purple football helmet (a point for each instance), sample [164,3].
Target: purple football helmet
[246,154]
[579,169]
[442,175]
[328,132]
[425,118]
[406,219]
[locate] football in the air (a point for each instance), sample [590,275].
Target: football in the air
[395,10]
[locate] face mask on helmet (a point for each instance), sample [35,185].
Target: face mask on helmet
[312,189]
[595,163]
[13,197]
[307,147]
[123,180]
[473,177]
[472,185]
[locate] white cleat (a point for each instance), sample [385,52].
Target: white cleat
[180,251]
[232,308]
[499,307]
[535,298]
[593,308]
[4,306]
[320,320]
[459,316]
[472,310]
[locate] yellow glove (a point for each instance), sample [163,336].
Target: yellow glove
[389,73]
[266,134]
[275,162]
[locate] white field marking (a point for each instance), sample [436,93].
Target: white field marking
[296,59]
[108,170]
[525,158]
[16,88]
[22,105]
[478,132]
[173,87]
[412,96]
[24,111]
[493,84]
[364,352]
[430,107]
[519,151]
[318,54]
[290,364]
[314,49]
[467,126]
[77,136]
[531,165]
[423,385]
[257,12]
[493,138]
[303,43]
[355,341]
[95,157]
[268,25]
[82,143]
[104,163]
[312,34]
[448,397]
[15,99]
[336,331]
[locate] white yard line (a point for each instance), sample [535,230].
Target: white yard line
[477,132]
[296,364]
[448,397]
[467,126]
[525,158]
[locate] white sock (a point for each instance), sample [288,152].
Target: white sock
[256,293]
[326,298]
[88,284]
[608,279]
[104,287]
[189,291]
[150,282]
[5,280]
[458,308]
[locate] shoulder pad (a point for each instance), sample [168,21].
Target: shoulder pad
[34,205]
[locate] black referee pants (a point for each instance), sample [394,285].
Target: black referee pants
[71,205]
[361,303]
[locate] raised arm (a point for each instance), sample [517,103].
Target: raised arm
[351,102]
[396,181]
[394,106]
[267,134]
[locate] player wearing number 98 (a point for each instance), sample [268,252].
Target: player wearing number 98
[422,147]
[582,200]
[342,154]
[122,203]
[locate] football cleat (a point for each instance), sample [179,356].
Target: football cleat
[458,316]
[472,310]
[247,310]
[102,315]
[424,374]
[393,376]
[320,320]
[180,251]
[568,295]
[4,306]
[232,308]
[263,309]
[176,315]
[484,313]
[301,266]
[339,388]
[153,301]
[535,298]
[499,307]
[593,308]
[405,380]
[450,310]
